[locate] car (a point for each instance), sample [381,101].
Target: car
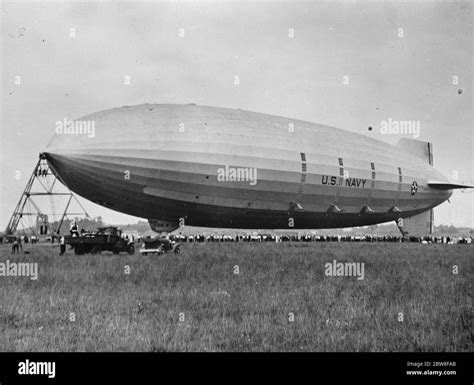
[159,245]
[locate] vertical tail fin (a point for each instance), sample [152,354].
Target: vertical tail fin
[418,225]
[421,224]
[423,150]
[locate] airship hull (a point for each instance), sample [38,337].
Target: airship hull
[217,167]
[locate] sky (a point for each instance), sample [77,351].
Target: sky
[349,64]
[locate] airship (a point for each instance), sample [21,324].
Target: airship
[178,165]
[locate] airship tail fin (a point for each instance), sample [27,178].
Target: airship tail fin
[423,150]
[418,225]
[447,185]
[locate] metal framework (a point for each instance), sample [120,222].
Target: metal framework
[28,207]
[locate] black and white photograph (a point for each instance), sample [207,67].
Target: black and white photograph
[237,177]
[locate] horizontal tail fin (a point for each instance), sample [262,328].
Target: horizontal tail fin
[447,186]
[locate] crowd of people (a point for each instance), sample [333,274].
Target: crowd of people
[17,242]
[319,238]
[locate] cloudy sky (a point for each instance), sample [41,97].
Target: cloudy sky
[401,61]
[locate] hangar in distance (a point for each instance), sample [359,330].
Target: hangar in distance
[227,168]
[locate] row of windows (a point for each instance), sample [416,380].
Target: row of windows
[341,170]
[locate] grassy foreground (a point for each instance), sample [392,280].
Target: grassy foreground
[195,301]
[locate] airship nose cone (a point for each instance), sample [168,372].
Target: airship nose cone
[67,143]
[113,129]
[72,138]
[93,154]
[68,146]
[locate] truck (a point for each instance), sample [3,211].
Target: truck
[104,239]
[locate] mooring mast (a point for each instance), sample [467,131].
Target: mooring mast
[27,206]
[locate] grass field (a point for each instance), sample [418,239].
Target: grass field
[194,301]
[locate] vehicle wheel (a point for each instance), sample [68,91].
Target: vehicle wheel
[131,249]
[96,250]
[115,251]
[78,250]
[177,250]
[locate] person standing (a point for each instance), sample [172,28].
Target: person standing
[62,245]
[15,246]
[73,229]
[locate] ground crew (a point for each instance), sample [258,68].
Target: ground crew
[62,245]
